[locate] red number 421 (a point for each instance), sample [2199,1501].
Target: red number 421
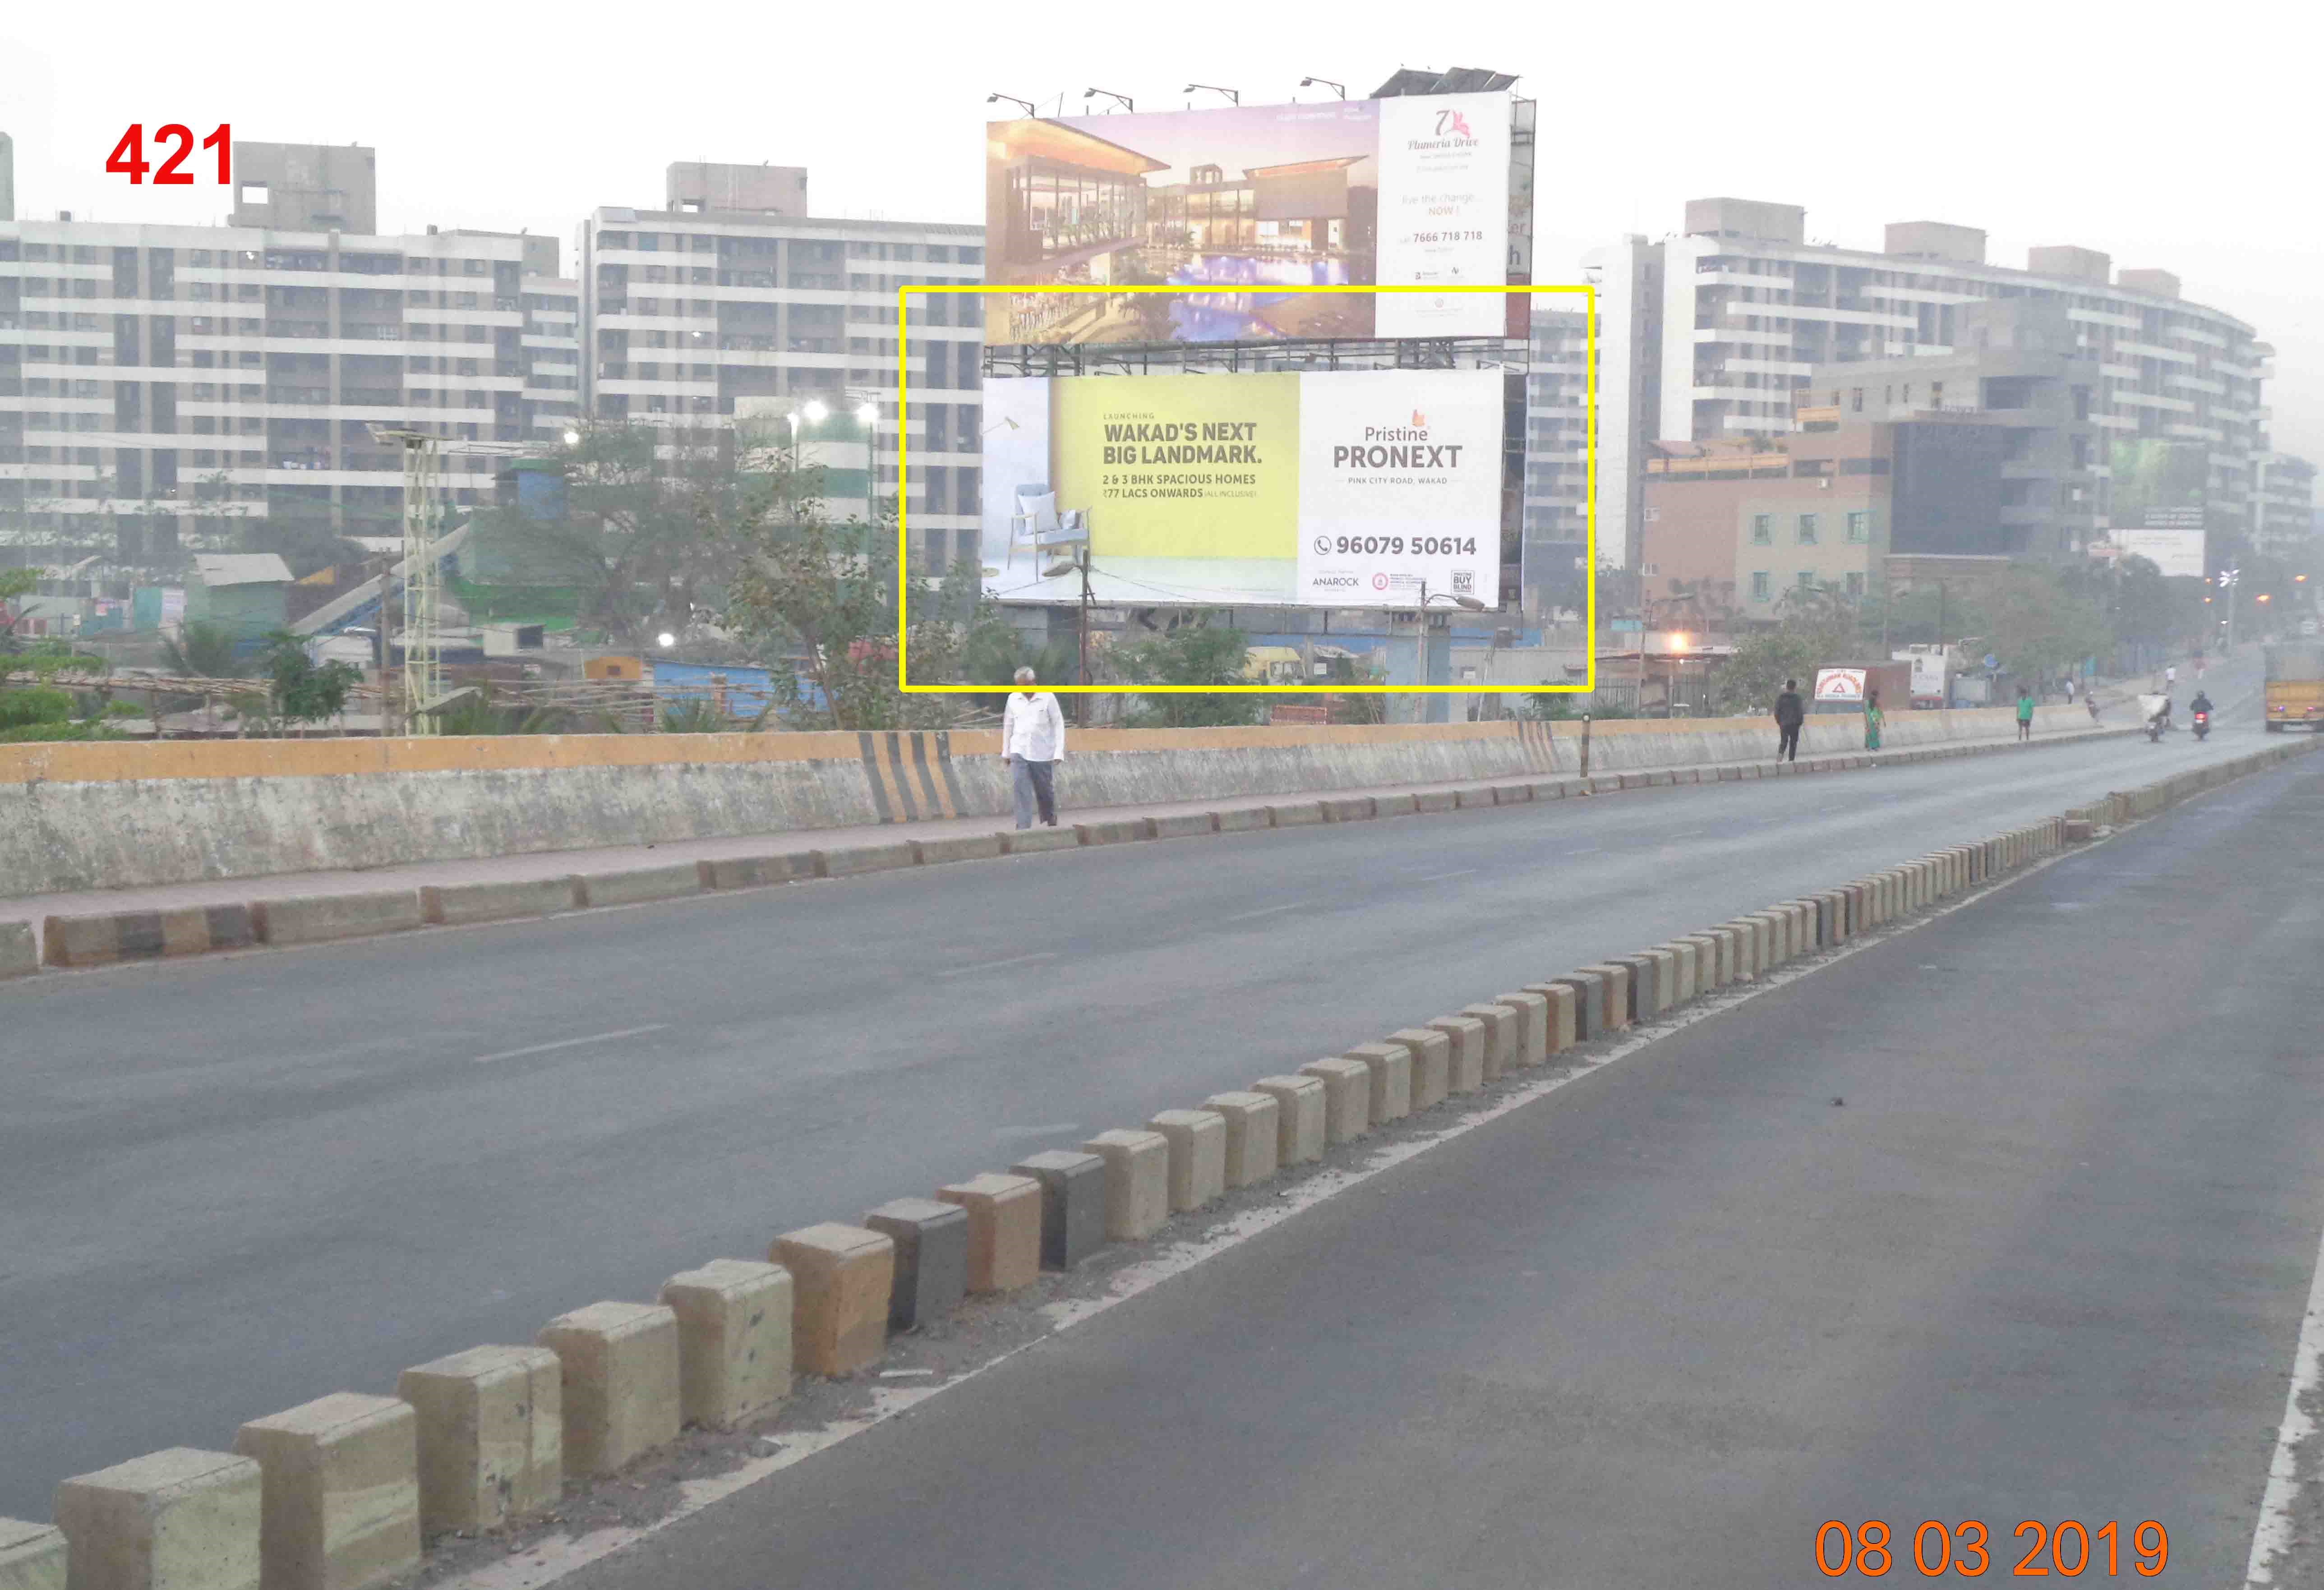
[129,156]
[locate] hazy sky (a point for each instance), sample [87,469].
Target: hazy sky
[2162,137]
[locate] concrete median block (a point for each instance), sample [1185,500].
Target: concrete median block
[1137,1182]
[1469,1054]
[1743,952]
[931,1276]
[1122,830]
[1389,1067]
[1639,970]
[20,951]
[1072,1204]
[1666,976]
[318,918]
[107,937]
[1004,1230]
[1621,993]
[1513,794]
[619,1366]
[1347,1096]
[733,1340]
[640,884]
[1558,1024]
[1241,819]
[1470,797]
[1030,841]
[1198,1156]
[32,1555]
[1503,1030]
[1682,961]
[1298,1117]
[841,1280]
[2079,831]
[1547,789]
[959,848]
[1706,961]
[1534,1016]
[1348,808]
[1589,991]
[1186,825]
[1252,1131]
[339,1491]
[1432,1063]
[848,860]
[1394,806]
[177,1520]
[491,1435]
[451,905]
[1434,800]
[1295,814]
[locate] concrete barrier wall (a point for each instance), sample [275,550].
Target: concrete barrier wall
[76,817]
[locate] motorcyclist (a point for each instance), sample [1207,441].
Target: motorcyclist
[2160,720]
[2201,705]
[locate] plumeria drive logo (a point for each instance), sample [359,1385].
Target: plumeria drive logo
[1453,121]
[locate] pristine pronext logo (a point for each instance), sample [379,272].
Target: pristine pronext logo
[1397,446]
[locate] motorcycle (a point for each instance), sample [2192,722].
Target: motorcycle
[2203,725]
[2157,711]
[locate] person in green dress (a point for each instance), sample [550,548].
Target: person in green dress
[2025,712]
[1872,720]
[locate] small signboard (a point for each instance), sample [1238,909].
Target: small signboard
[1839,684]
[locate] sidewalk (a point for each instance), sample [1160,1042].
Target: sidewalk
[554,863]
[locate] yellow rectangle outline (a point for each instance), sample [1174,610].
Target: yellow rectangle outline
[903,512]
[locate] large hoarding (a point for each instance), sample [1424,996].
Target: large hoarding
[1250,209]
[2161,502]
[1324,489]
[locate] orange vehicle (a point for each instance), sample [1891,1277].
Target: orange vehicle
[2295,687]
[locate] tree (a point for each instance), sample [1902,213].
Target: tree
[203,651]
[1191,654]
[300,690]
[2035,625]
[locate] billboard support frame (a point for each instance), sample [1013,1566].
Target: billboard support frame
[1589,293]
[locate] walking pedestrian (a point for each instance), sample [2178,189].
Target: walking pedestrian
[2070,690]
[1789,712]
[1033,741]
[2025,712]
[1872,720]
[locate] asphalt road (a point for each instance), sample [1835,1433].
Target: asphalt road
[2011,1217]
[230,1185]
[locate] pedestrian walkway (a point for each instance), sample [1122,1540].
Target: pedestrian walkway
[552,863]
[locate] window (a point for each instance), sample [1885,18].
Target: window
[1759,583]
[1856,399]
[1807,530]
[1763,529]
[1860,527]
[1807,579]
[1936,394]
[1855,585]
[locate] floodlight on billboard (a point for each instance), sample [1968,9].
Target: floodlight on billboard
[1330,489]
[1250,209]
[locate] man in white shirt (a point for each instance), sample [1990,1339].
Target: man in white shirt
[1033,740]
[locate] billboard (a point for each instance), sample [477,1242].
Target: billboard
[2160,503]
[1323,488]
[1250,209]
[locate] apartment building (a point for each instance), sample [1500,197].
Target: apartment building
[1554,520]
[2284,506]
[732,301]
[163,389]
[1750,311]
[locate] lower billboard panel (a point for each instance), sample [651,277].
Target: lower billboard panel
[1322,489]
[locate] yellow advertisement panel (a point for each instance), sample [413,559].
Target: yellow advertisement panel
[1181,468]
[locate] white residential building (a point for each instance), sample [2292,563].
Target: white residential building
[731,300]
[1748,308]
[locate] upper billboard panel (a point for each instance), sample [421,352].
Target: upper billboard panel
[1248,209]
[1306,489]
[2159,507]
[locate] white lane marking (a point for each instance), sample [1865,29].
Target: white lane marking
[1587,850]
[543,1049]
[1270,910]
[1439,877]
[1691,834]
[1005,1133]
[1014,960]
[2272,1536]
[546,1562]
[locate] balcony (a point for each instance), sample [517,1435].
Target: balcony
[297,395]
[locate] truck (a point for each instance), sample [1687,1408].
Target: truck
[2295,685]
[1932,668]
